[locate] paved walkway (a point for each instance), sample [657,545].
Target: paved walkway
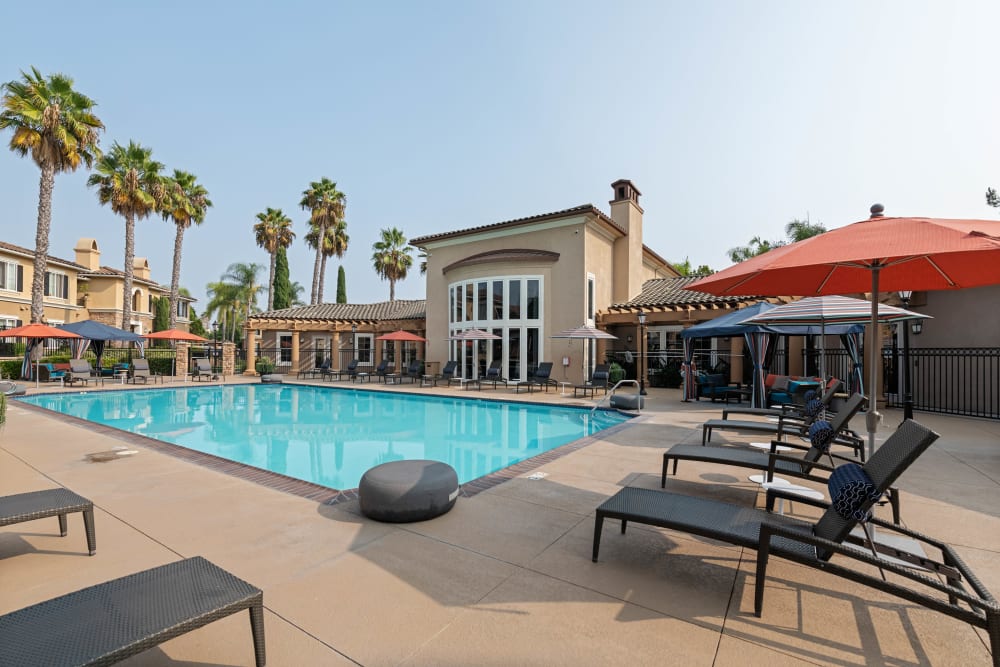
[505,578]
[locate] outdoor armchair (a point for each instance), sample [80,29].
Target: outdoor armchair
[139,371]
[937,582]
[79,371]
[48,373]
[202,369]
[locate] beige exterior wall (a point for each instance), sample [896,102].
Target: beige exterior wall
[16,304]
[585,246]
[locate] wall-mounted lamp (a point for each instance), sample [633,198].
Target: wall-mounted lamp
[917,327]
[628,339]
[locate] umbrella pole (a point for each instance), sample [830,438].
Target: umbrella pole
[873,417]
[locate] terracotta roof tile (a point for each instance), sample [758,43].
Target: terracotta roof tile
[386,310]
[26,251]
[565,213]
[667,292]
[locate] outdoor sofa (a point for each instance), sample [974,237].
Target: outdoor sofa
[48,373]
[50,502]
[833,387]
[106,623]
[829,544]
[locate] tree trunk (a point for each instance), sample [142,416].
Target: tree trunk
[129,270]
[175,280]
[392,289]
[316,267]
[322,280]
[270,282]
[45,185]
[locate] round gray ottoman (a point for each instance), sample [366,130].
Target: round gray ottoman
[401,491]
[627,401]
[270,379]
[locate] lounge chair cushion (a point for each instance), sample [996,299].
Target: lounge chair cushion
[402,491]
[821,435]
[780,383]
[852,492]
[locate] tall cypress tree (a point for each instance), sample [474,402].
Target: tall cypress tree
[282,283]
[161,315]
[341,285]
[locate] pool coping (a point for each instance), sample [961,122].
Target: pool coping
[310,490]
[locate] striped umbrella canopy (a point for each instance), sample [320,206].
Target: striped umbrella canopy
[587,333]
[584,331]
[833,309]
[474,334]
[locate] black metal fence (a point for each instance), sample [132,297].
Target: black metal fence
[958,381]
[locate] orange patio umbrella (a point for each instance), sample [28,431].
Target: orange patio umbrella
[402,336]
[36,331]
[880,253]
[175,334]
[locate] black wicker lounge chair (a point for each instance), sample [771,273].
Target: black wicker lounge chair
[493,376]
[50,502]
[828,543]
[109,622]
[447,374]
[540,378]
[598,380]
[806,467]
[318,370]
[790,424]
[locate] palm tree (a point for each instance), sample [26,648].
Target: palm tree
[326,205]
[392,258]
[422,256]
[56,126]
[335,243]
[234,297]
[800,230]
[128,179]
[185,204]
[273,231]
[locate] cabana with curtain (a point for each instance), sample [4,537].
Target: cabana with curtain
[96,335]
[758,338]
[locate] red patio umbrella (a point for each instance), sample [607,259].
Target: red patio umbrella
[175,334]
[876,254]
[36,331]
[402,336]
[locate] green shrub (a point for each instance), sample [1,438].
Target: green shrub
[264,366]
[615,374]
[11,368]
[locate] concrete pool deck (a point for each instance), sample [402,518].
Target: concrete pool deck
[505,577]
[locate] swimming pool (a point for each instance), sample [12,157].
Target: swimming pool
[331,436]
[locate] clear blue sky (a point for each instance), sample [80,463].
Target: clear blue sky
[732,118]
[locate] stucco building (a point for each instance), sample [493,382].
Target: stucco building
[80,289]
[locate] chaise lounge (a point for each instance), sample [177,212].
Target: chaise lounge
[79,371]
[202,370]
[540,378]
[854,489]
[50,502]
[106,623]
[140,371]
[598,380]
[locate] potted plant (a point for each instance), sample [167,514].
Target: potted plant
[615,374]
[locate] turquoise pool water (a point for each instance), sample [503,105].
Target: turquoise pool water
[331,436]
